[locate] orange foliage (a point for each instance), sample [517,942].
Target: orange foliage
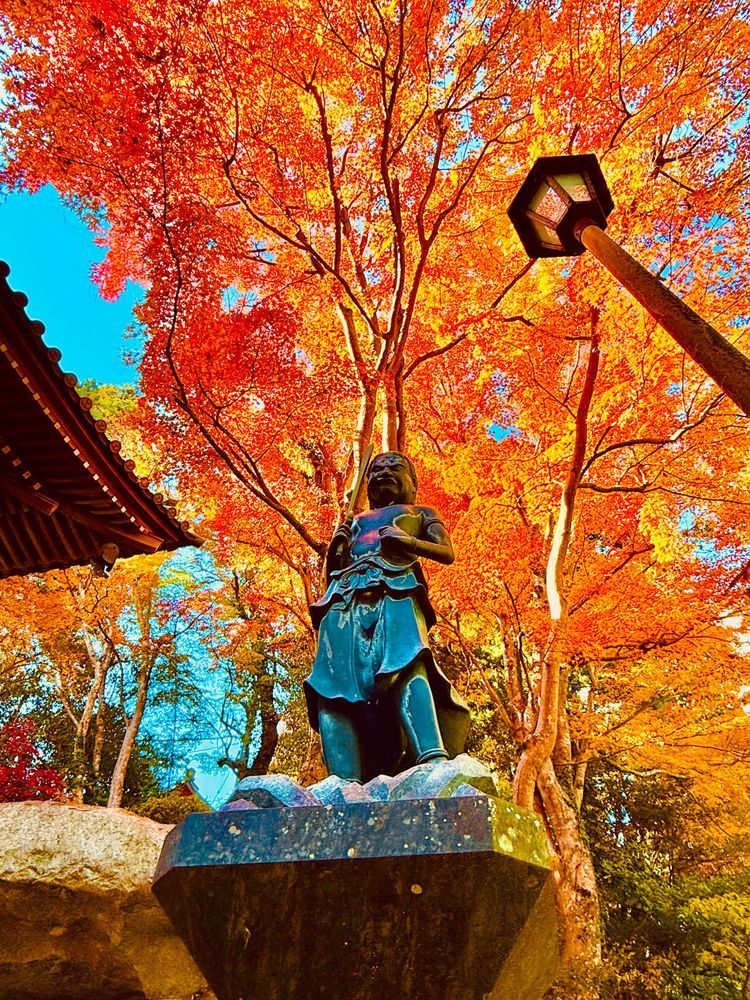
[313,197]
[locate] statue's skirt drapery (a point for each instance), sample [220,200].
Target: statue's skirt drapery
[373,623]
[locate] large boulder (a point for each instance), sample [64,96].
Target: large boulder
[78,920]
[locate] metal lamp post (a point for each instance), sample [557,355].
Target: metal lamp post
[561,209]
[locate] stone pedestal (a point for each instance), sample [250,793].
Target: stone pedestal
[412,899]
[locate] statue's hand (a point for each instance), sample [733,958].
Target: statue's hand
[343,534]
[338,548]
[393,539]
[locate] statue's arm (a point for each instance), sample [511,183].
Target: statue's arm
[337,555]
[433,542]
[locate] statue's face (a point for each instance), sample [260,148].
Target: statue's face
[390,481]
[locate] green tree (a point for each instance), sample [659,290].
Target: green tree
[674,884]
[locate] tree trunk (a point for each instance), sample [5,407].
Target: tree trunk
[576,892]
[540,744]
[389,434]
[269,736]
[548,746]
[269,720]
[100,726]
[367,386]
[313,769]
[117,784]
[101,665]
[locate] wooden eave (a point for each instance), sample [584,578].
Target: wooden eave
[65,489]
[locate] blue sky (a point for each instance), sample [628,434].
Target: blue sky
[50,252]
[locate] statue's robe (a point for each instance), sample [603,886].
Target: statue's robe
[373,621]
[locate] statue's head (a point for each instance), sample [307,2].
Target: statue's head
[391,479]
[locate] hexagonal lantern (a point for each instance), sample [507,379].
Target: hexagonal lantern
[561,209]
[559,193]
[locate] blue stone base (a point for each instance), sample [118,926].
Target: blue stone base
[426,899]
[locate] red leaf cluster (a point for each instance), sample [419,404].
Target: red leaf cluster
[22,773]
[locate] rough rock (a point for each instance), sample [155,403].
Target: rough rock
[335,791]
[438,779]
[77,917]
[234,804]
[271,790]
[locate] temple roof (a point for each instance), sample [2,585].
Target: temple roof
[65,489]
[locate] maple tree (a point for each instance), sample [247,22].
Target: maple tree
[313,197]
[262,668]
[102,649]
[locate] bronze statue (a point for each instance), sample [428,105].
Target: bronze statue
[375,694]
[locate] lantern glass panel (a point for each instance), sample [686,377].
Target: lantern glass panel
[548,203]
[575,186]
[547,236]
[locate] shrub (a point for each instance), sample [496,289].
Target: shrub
[171,808]
[23,774]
